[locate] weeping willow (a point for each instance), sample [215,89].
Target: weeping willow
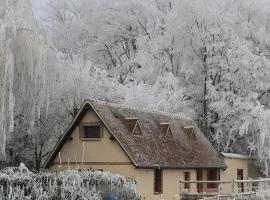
[26,66]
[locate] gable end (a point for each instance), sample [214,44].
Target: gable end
[87,105]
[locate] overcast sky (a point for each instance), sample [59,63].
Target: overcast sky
[39,6]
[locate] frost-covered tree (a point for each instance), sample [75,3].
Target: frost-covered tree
[235,73]
[37,86]
[205,59]
[7,36]
[33,148]
[78,79]
[208,58]
[26,66]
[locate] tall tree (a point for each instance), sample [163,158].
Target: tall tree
[27,66]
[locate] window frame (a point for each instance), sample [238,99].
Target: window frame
[190,133]
[158,191]
[137,126]
[89,124]
[217,175]
[187,186]
[241,173]
[166,130]
[169,132]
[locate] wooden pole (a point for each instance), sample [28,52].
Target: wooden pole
[233,191]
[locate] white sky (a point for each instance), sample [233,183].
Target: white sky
[39,6]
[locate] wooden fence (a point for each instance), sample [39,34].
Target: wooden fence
[224,190]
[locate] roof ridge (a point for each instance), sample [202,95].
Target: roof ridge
[139,109]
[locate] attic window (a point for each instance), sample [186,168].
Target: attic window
[189,130]
[166,130]
[137,130]
[169,133]
[133,126]
[90,131]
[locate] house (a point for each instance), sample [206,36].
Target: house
[156,149]
[246,163]
[239,167]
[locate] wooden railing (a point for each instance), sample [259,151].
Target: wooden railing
[225,189]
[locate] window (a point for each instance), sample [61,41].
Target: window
[212,175]
[166,130]
[199,178]
[169,133]
[137,130]
[189,130]
[133,125]
[90,131]
[240,176]
[158,181]
[187,178]
[130,123]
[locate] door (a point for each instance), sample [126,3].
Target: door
[199,178]
[240,176]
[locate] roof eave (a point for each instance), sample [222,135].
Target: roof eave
[182,167]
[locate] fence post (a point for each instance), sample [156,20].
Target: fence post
[219,191]
[250,185]
[233,187]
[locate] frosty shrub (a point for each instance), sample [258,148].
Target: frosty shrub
[263,195]
[21,184]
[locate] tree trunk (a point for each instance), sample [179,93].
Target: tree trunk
[38,157]
[205,93]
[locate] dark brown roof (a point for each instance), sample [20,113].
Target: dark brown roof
[151,149]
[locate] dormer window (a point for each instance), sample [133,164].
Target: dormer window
[189,130]
[166,130]
[137,130]
[90,131]
[169,133]
[133,126]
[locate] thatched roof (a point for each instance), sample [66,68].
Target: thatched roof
[145,136]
